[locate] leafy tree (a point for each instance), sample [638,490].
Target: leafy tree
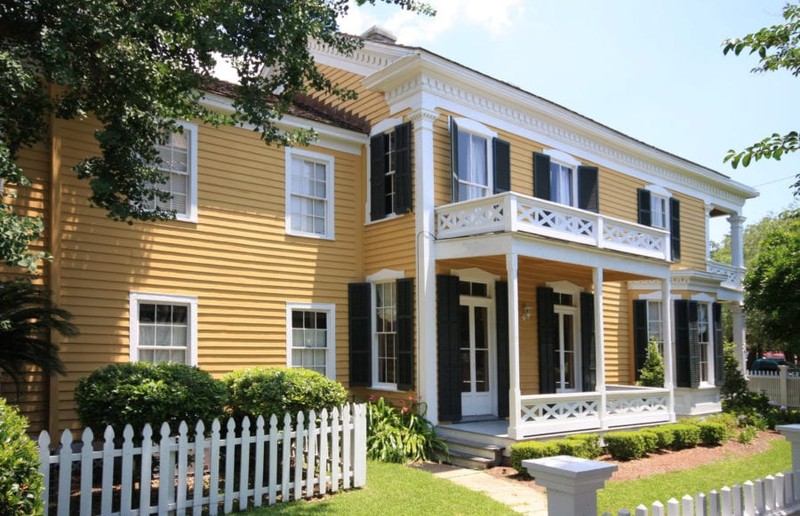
[778,48]
[137,67]
[27,316]
[772,283]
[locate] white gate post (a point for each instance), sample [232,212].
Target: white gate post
[792,434]
[784,378]
[571,483]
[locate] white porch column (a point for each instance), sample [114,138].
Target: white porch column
[514,419]
[737,240]
[599,339]
[669,351]
[426,259]
[739,336]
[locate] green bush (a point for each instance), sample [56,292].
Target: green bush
[729,420]
[712,434]
[269,390]
[531,450]
[401,434]
[665,436]
[651,441]
[141,393]
[684,435]
[21,484]
[747,434]
[625,445]
[591,445]
[652,372]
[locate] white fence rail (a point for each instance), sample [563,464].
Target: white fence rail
[206,472]
[779,386]
[572,485]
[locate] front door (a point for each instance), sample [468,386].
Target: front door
[476,346]
[566,324]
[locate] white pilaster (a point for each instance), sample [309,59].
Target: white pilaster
[426,259]
[514,393]
[737,240]
[599,339]
[669,351]
[739,336]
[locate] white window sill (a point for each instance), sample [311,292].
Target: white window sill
[391,216]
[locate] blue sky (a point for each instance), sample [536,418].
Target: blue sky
[653,70]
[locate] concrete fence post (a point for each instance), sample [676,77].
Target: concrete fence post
[792,434]
[784,378]
[571,483]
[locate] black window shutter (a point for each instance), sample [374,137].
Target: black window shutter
[719,360]
[503,381]
[682,356]
[545,303]
[377,177]
[640,336]
[360,308]
[447,356]
[453,160]
[541,175]
[588,356]
[675,228]
[502,165]
[588,189]
[694,346]
[405,334]
[645,215]
[403,196]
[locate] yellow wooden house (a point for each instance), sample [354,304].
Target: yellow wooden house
[449,237]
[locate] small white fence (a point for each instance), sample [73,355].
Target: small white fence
[206,473]
[779,386]
[572,486]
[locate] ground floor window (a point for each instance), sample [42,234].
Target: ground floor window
[163,328]
[310,338]
[705,343]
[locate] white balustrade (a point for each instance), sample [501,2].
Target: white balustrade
[637,406]
[734,276]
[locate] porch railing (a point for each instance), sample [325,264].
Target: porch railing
[543,414]
[513,212]
[734,276]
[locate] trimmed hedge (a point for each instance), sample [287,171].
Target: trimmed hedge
[665,436]
[140,393]
[21,484]
[712,434]
[685,435]
[591,445]
[531,450]
[626,445]
[263,391]
[650,441]
[585,446]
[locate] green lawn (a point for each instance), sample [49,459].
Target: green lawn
[397,489]
[629,494]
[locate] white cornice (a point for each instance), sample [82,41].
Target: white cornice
[449,85]
[364,61]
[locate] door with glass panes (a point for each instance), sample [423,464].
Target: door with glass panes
[567,350]
[476,348]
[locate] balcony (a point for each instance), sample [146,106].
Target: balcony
[515,213]
[733,276]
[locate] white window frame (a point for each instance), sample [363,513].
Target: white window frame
[569,288]
[330,349]
[329,162]
[564,160]
[473,128]
[380,277]
[385,126]
[138,298]
[190,131]
[707,302]
[659,194]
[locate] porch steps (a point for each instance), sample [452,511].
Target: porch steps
[470,453]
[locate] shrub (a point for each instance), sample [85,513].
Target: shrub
[651,441]
[625,445]
[591,445]
[141,393]
[21,484]
[652,372]
[665,436]
[712,434]
[401,434]
[747,434]
[531,450]
[269,390]
[684,435]
[724,418]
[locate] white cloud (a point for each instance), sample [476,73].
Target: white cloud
[490,18]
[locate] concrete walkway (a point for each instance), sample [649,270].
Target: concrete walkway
[520,498]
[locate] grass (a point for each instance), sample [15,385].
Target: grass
[662,487]
[396,489]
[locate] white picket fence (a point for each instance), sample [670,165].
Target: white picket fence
[781,388]
[240,467]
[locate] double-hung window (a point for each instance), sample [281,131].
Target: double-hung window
[658,208]
[309,193]
[385,359]
[473,165]
[390,169]
[705,343]
[655,326]
[480,162]
[559,177]
[562,183]
[178,164]
[163,328]
[310,337]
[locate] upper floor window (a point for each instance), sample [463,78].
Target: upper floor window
[309,193]
[560,178]
[390,169]
[163,328]
[179,165]
[480,162]
[310,337]
[658,208]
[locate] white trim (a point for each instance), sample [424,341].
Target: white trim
[384,126]
[330,348]
[659,190]
[562,157]
[479,130]
[656,296]
[385,275]
[476,275]
[565,287]
[328,161]
[703,298]
[136,298]
[191,204]
[474,127]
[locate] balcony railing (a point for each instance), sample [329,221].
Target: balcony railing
[510,212]
[734,276]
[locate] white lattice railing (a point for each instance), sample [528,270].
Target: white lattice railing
[734,275]
[637,406]
[520,213]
